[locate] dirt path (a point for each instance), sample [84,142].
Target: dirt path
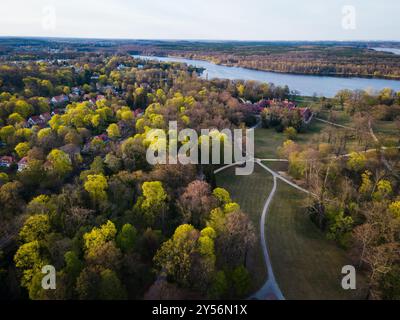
[270,290]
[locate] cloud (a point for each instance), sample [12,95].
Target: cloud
[205,19]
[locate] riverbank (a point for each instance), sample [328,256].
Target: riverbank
[305,85]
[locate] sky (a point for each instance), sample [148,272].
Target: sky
[203,19]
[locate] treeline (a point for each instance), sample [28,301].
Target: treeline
[313,60]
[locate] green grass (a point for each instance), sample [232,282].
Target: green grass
[306,265]
[250,192]
[339,117]
[267,142]
[385,129]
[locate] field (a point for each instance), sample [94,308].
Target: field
[251,193]
[295,244]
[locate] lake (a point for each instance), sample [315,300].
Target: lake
[391,50]
[307,85]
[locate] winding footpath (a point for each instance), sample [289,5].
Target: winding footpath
[270,290]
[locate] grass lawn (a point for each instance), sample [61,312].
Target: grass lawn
[250,192]
[305,263]
[267,141]
[339,117]
[385,129]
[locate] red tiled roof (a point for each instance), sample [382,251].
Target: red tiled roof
[24,160]
[7,159]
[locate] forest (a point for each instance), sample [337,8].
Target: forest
[77,193]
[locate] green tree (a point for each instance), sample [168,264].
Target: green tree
[35,228]
[98,236]
[357,161]
[28,258]
[219,285]
[290,133]
[174,256]
[113,131]
[126,238]
[153,203]
[383,190]
[73,266]
[22,149]
[110,286]
[15,118]
[23,108]
[6,132]
[3,178]
[222,195]
[60,162]
[241,281]
[96,185]
[394,208]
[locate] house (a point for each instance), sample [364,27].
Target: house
[57,111]
[58,100]
[109,90]
[36,121]
[305,113]
[138,112]
[74,97]
[103,137]
[40,120]
[76,91]
[22,164]
[6,161]
[87,96]
[121,67]
[46,117]
[72,150]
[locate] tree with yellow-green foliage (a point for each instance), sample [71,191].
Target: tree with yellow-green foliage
[113,131]
[96,185]
[189,257]
[383,190]
[35,227]
[357,161]
[152,205]
[94,239]
[15,118]
[60,163]
[222,196]
[29,259]
[6,132]
[22,149]
[394,208]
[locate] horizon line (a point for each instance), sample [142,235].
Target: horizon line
[189,40]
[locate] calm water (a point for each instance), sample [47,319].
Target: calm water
[306,85]
[392,50]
